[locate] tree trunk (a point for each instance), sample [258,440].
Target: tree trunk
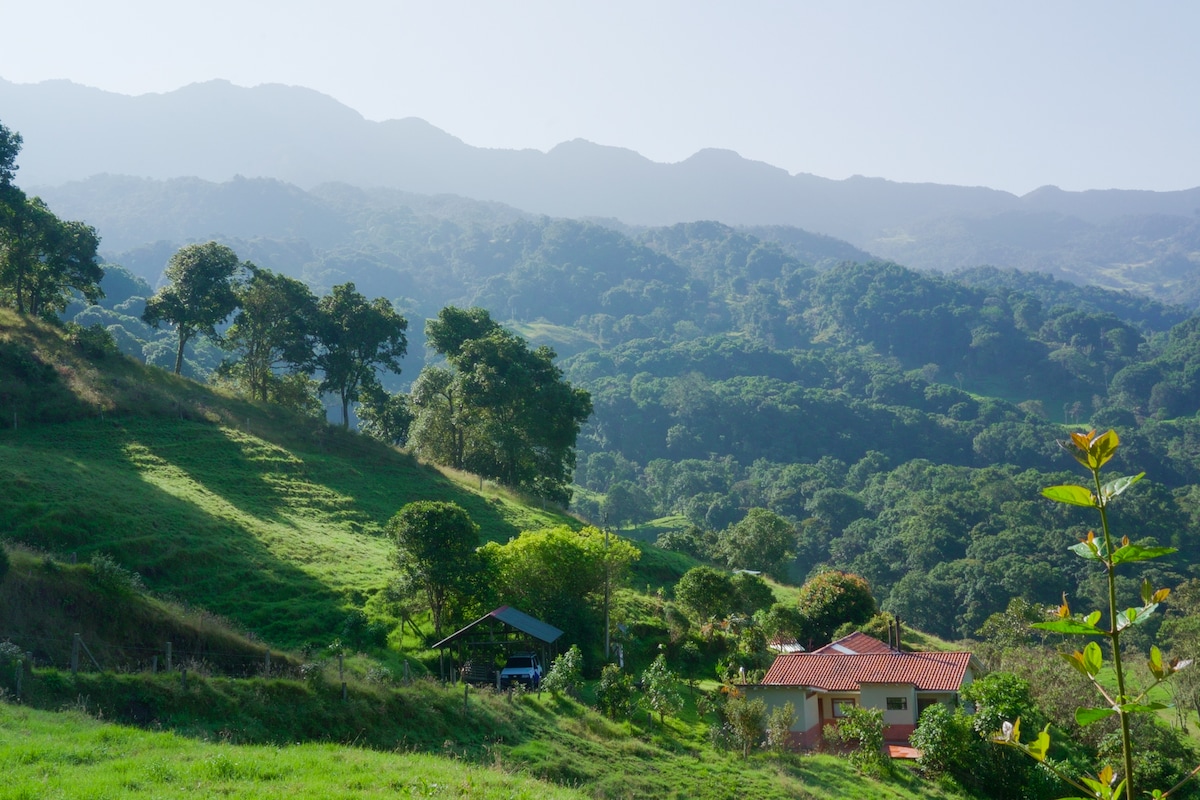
[179,352]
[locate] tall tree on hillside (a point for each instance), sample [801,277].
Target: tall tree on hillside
[43,260]
[274,328]
[439,425]
[508,414]
[435,551]
[10,147]
[355,337]
[200,295]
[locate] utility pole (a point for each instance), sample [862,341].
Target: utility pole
[607,647]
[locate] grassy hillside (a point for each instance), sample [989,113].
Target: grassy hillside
[276,523]
[68,755]
[269,519]
[496,747]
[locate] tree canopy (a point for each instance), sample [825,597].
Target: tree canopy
[273,328]
[199,295]
[504,411]
[435,551]
[355,338]
[44,260]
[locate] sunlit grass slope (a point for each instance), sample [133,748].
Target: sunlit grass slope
[48,756]
[67,754]
[266,518]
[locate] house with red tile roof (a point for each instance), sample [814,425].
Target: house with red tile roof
[861,670]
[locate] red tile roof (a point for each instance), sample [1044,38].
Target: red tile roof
[857,642]
[838,672]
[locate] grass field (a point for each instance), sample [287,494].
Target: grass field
[45,756]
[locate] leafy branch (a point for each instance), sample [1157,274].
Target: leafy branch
[1093,452]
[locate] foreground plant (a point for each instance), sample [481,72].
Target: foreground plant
[1093,452]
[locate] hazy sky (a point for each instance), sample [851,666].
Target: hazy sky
[1013,95]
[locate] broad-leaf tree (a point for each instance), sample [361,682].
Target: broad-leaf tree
[504,412]
[762,541]
[355,338]
[558,575]
[273,328]
[831,599]
[435,551]
[10,147]
[44,260]
[200,293]
[386,416]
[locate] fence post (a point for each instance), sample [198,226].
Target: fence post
[75,655]
[19,675]
[267,665]
[341,676]
[154,665]
[168,656]
[183,678]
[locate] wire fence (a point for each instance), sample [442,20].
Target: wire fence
[75,653]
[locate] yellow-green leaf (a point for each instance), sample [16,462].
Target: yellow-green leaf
[1093,659]
[1086,716]
[1071,495]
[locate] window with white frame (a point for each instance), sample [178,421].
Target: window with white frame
[897,704]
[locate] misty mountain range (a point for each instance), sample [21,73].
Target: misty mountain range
[301,139]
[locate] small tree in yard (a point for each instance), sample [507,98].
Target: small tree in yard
[661,687]
[865,726]
[566,673]
[747,720]
[614,693]
[779,727]
[1093,451]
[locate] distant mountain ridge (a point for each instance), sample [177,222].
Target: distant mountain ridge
[215,130]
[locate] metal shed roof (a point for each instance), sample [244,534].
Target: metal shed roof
[542,631]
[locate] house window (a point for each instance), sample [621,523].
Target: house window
[842,707]
[897,704]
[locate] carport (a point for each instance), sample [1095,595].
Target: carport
[484,643]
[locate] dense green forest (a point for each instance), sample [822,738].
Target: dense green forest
[728,372]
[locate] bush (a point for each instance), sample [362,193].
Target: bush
[566,673]
[111,578]
[614,693]
[945,739]
[94,341]
[747,720]
[779,727]
[864,726]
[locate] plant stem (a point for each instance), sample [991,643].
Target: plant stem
[1115,635]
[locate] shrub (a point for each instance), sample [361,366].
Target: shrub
[94,341]
[945,739]
[566,673]
[614,693]
[661,686]
[110,577]
[779,727]
[864,726]
[747,720]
